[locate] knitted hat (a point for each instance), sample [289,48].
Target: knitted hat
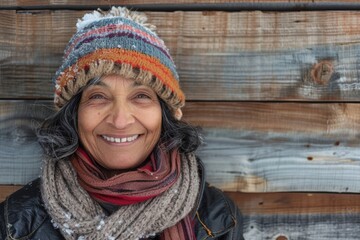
[118,42]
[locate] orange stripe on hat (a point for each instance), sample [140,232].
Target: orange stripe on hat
[136,59]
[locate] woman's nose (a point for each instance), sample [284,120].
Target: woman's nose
[121,115]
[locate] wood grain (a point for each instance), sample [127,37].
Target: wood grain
[6,190]
[259,162]
[296,203]
[86,3]
[221,56]
[283,216]
[303,226]
[297,118]
[265,147]
[20,153]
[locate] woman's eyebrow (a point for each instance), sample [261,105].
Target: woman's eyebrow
[100,83]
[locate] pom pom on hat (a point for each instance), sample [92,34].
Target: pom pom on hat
[121,42]
[114,12]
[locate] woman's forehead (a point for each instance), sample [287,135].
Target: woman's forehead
[110,81]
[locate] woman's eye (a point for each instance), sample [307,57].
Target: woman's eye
[97,96]
[142,96]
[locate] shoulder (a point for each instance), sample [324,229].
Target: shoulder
[218,216]
[23,214]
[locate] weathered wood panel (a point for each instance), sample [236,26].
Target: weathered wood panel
[268,162]
[329,120]
[86,3]
[296,203]
[302,56]
[304,227]
[283,216]
[265,147]
[278,117]
[250,147]
[20,153]
[6,190]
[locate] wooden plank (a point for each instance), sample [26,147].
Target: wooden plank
[29,55]
[249,147]
[232,56]
[271,162]
[6,190]
[284,216]
[310,227]
[289,215]
[330,120]
[85,3]
[296,203]
[20,153]
[136,2]
[266,147]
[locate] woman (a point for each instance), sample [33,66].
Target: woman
[119,163]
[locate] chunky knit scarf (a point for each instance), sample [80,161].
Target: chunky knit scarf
[79,216]
[148,181]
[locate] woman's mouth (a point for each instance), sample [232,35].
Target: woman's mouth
[120,140]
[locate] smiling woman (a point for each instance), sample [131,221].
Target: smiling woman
[120,163]
[119,122]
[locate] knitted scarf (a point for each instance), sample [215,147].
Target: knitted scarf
[162,206]
[130,187]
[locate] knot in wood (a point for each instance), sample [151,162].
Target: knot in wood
[321,72]
[281,237]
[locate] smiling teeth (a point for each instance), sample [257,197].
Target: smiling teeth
[120,140]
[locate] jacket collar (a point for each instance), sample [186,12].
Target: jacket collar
[24,213]
[201,170]
[214,215]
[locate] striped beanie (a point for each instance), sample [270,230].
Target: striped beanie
[118,42]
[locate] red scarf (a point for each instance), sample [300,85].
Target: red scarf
[134,186]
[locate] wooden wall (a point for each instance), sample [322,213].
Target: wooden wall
[274,84]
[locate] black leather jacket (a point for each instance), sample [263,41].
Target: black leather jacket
[23,216]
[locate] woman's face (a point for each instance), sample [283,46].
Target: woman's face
[119,122]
